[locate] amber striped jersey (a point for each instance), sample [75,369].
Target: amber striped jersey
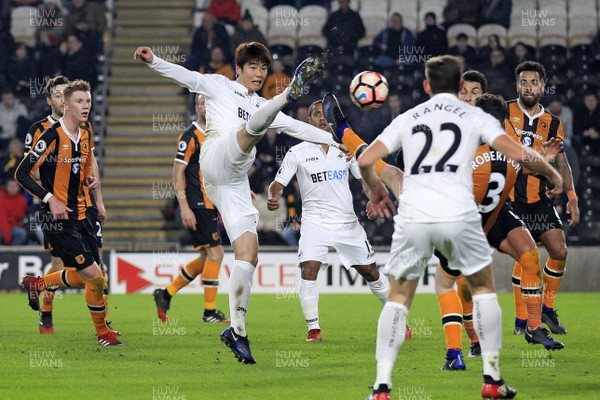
[188,153]
[64,162]
[532,131]
[494,176]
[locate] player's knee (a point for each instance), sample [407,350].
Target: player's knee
[309,270]
[559,254]
[96,284]
[215,254]
[370,273]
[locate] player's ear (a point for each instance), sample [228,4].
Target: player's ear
[238,71]
[426,86]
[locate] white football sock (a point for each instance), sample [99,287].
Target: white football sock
[487,320]
[309,299]
[390,337]
[380,287]
[239,294]
[264,116]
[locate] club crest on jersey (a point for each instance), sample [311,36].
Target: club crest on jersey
[527,141]
[80,259]
[84,146]
[182,145]
[75,168]
[215,236]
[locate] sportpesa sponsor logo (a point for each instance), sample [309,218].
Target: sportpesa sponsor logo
[522,132]
[330,175]
[72,160]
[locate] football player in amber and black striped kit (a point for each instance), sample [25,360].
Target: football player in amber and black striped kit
[534,126]
[96,212]
[199,216]
[63,156]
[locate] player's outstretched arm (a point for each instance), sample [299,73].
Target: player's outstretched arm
[530,159]
[181,75]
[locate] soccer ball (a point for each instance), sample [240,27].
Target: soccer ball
[368,89]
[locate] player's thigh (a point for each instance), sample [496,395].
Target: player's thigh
[314,243]
[555,242]
[234,202]
[509,234]
[463,244]
[352,246]
[206,234]
[410,251]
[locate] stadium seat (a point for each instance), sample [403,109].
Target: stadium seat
[22,30]
[467,29]
[354,5]
[518,6]
[524,34]
[373,8]
[307,36]
[485,31]
[315,15]
[373,26]
[250,4]
[580,35]
[281,34]
[284,18]
[260,17]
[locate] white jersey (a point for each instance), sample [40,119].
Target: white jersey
[323,181]
[228,103]
[439,139]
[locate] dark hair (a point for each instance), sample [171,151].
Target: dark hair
[75,86]
[461,35]
[443,74]
[252,51]
[311,108]
[476,76]
[52,83]
[533,66]
[493,105]
[430,14]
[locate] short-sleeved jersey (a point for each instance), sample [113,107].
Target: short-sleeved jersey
[188,153]
[64,162]
[494,176]
[229,105]
[532,131]
[439,139]
[323,181]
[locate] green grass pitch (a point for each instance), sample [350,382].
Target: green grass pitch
[185,360]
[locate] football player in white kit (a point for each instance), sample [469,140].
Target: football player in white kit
[437,211]
[236,120]
[328,218]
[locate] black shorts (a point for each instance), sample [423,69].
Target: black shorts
[48,247]
[539,217]
[74,242]
[206,233]
[444,265]
[92,215]
[507,221]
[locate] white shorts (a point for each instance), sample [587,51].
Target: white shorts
[349,241]
[463,243]
[224,169]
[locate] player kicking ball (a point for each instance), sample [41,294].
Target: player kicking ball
[237,119]
[328,218]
